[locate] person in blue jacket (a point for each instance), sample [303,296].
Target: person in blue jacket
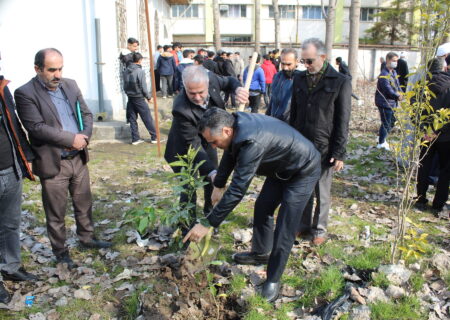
[257,86]
[281,94]
[387,96]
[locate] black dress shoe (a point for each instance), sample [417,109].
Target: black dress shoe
[98,244]
[270,291]
[5,297]
[19,275]
[65,258]
[251,258]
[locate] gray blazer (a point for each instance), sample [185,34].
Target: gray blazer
[40,118]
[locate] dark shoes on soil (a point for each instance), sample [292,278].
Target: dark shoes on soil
[251,258]
[19,275]
[270,291]
[5,297]
[97,244]
[65,258]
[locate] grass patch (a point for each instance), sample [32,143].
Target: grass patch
[407,308]
[417,281]
[238,283]
[131,305]
[369,258]
[327,286]
[380,280]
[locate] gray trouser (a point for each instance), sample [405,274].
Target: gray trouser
[318,223]
[166,85]
[10,211]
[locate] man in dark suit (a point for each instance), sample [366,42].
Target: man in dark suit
[201,91]
[320,110]
[59,125]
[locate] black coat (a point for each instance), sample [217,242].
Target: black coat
[186,115]
[22,151]
[211,66]
[343,68]
[261,145]
[402,71]
[323,115]
[440,86]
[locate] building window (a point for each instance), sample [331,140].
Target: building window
[235,38]
[233,10]
[313,12]
[286,12]
[185,11]
[367,14]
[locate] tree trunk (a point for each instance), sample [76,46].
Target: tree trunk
[216,17]
[329,33]
[276,16]
[257,25]
[354,40]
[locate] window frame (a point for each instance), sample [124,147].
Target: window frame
[288,8]
[306,9]
[242,9]
[191,13]
[370,16]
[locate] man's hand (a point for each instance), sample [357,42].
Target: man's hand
[196,233]
[217,195]
[80,141]
[338,164]
[241,95]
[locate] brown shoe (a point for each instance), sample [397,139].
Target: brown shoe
[317,241]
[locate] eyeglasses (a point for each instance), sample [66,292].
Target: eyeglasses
[307,61]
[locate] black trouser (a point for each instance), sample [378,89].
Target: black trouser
[293,195]
[135,107]
[233,98]
[442,149]
[157,81]
[254,102]
[208,189]
[267,94]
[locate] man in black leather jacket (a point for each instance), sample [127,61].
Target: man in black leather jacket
[256,144]
[320,110]
[201,91]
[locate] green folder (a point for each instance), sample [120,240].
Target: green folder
[80,119]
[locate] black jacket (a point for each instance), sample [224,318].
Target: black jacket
[134,83]
[343,68]
[440,86]
[402,71]
[261,145]
[22,151]
[225,67]
[211,66]
[184,132]
[323,115]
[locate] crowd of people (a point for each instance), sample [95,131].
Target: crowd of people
[297,145]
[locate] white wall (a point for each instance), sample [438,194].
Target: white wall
[27,26]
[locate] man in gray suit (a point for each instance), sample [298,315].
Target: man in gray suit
[59,125]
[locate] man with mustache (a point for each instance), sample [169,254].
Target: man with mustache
[59,125]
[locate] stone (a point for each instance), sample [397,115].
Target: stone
[256,279]
[438,285]
[360,313]
[61,302]
[53,315]
[82,294]
[373,294]
[95,316]
[37,316]
[288,291]
[441,262]
[355,296]
[396,274]
[415,267]
[395,292]
[126,274]
[243,236]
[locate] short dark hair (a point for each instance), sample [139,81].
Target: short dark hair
[186,53]
[211,54]
[275,51]
[238,53]
[229,54]
[215,119]
[199,58]
[137,57]
[39,58]
[390,55]
[266,57]
[290,50]
[166,47]
[435,65]
[338,59]
[176,45]
[132,41]
[158,47]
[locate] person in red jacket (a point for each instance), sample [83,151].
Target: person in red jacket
[269,72]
